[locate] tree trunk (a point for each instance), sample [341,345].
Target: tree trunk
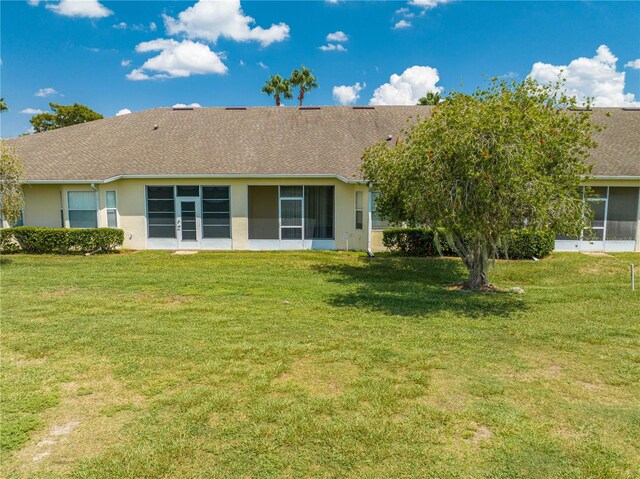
[301,96]
[477,262]
[277,97]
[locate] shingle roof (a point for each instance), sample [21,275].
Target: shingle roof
[258,141]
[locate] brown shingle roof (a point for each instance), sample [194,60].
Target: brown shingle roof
[258,141]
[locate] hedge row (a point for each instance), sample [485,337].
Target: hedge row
[33,240]
[523,244]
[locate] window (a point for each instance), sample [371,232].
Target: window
[161,215]
[359,209]
[597,201]
[377,222]
[83,209]
[112,211]
[622,214]
[318,212]
[188,191]
[291,198]
[216,212]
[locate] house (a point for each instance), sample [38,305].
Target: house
[265,178]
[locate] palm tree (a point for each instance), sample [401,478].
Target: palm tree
[303,79]
[430,98]
[276,86]
[3,105]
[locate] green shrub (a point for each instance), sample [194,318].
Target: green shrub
[413,242]
[526,243]
[522,244]
[34,240]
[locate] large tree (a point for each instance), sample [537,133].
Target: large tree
[431,98]
[3,105]
[278,88]
[304,80]
[63,115]
[507,157]
[10,183]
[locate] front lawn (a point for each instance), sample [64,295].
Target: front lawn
[317,364]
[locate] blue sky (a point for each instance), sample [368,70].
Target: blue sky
[115,56]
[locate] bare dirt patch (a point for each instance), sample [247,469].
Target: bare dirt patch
[477,433]
[88,420]
[327,379]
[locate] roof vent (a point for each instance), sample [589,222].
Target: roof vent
[364,107]
[181,108]
[236,108]
[309,108]
[155,127]
[389,137]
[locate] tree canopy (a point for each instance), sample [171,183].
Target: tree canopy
[431,98]
[11,168]
[304,80]
[63,115]
[3,105]
[278,88]
[503,158]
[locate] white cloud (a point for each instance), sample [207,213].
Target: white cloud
[402,24]
[338,36]
[333,47]
[405,12]
[211,19]
[137,75]
[125,63]
[124,111]
[347,94]
[596,78]
[407,88]
[32,111]
[136,27]
[333,1]
[262,65]
[427,3]
[33,3]
[153,27]
[184,105]
[120,26]
[80,8]
[177,59]
[635,64]
[44,92]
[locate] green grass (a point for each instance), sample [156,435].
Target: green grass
[317,364]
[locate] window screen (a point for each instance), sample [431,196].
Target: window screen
[161,215]
[83,209]
[318,212]
[359,209]
[377,222]
[622,216]
[112,212]
[216,212]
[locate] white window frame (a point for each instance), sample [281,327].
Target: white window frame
[361,210]
[597,199]
[280,226]
[97,205]
[114,209]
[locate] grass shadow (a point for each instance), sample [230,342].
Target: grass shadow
[414,287]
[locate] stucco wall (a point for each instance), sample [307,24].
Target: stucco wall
[130,196]
[42,205]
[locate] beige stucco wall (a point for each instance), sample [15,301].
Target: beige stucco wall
[42,205]
[44,202]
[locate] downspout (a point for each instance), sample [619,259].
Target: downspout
[369,223]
